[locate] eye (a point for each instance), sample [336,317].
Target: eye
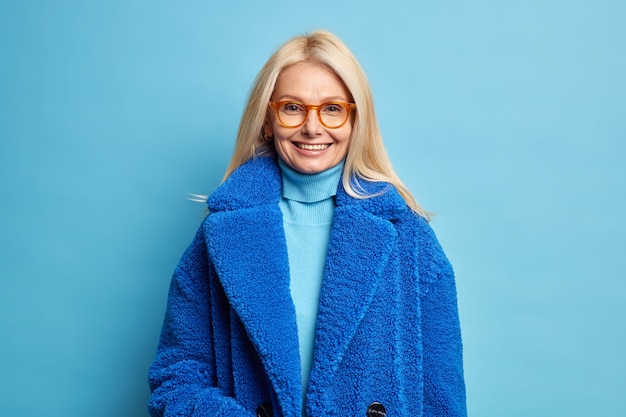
[333,108]
[292,108]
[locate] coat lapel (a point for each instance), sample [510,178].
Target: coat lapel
[246,243]
[362,240]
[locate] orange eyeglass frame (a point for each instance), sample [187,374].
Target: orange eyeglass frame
[277,104]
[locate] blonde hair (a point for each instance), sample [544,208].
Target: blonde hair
[366,158]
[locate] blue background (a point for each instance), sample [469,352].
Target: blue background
[506,118]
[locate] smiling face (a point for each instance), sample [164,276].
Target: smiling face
[310,148]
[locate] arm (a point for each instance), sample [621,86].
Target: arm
[444,386]
[182,376]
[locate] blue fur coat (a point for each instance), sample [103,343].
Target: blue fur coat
[387,331]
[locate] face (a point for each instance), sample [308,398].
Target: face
[310,148]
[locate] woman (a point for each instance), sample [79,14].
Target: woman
[315,287]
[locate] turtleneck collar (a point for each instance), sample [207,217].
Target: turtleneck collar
[309,188]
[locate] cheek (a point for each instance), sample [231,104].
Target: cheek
[280,134]
[344,136]
[282,142]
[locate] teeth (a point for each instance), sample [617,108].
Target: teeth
[312,147]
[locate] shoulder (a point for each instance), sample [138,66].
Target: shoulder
[381,199]
[432,261]
[256,182]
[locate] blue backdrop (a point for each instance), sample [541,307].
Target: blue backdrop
[506,118]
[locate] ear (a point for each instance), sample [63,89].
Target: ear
[268,130]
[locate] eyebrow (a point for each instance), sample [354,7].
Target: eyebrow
[296,98]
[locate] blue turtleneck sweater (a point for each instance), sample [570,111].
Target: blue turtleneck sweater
[307,205]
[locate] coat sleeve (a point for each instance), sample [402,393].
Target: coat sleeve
[183,375]
[444,386]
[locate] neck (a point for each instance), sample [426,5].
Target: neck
[309,188]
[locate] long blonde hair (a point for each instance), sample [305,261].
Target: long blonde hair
[367,158]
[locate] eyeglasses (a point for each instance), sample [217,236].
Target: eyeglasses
[292,114]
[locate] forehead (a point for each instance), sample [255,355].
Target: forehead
[310,80]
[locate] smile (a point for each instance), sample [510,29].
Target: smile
[312,147]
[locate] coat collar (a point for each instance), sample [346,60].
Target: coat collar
[258,182]
[247,245]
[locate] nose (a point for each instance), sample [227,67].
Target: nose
[312,126]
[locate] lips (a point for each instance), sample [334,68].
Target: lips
[308,147]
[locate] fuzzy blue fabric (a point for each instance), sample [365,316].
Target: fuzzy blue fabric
[387,330]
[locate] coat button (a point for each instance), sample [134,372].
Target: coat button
[376,409]
[264,410]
